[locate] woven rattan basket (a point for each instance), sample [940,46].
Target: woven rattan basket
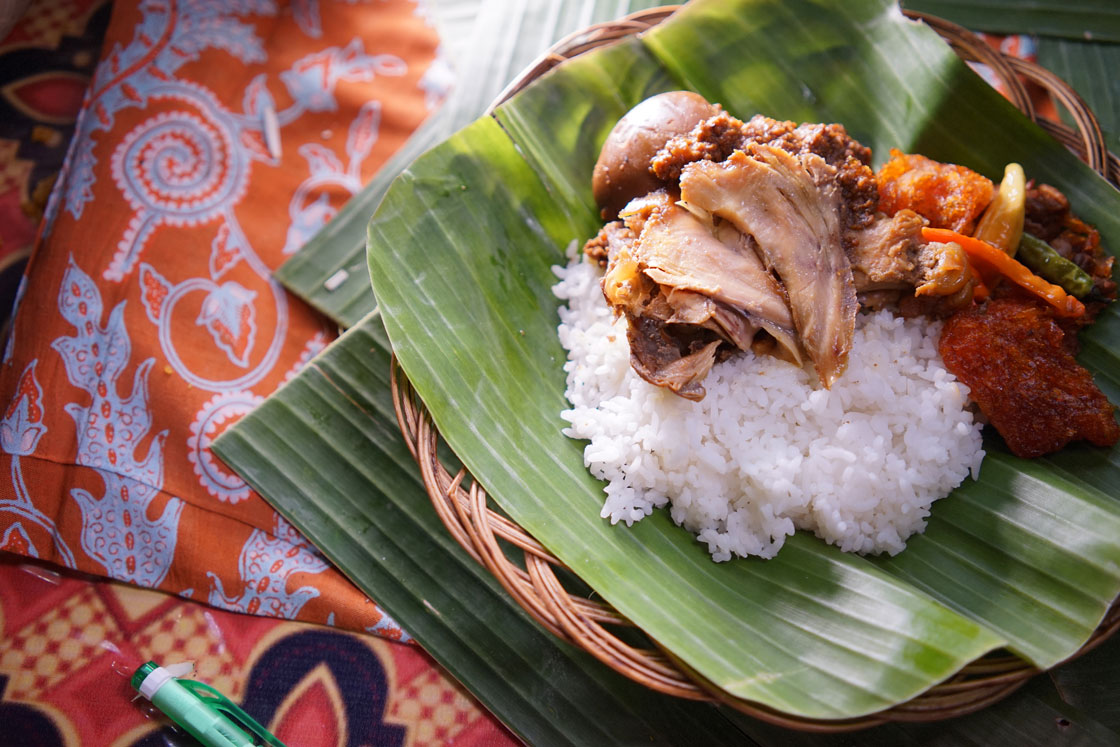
[462,503]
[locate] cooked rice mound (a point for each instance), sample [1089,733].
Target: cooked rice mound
[768,450]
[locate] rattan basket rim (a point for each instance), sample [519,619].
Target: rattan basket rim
[461,503]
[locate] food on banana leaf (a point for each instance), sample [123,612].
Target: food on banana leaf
[758,399]
[803,199]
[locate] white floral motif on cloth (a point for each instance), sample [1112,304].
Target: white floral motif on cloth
[163,323]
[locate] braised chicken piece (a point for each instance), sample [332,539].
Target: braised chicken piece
[947,195]
[890,262]
[804,198]
[1019,367]
[678,252]
[771,196]
[677,358]
[685,288]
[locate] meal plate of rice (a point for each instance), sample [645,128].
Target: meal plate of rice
[891,539]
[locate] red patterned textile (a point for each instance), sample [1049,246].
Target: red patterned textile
[70,644]
[214,140]
[45,64]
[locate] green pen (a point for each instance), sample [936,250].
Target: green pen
[206,714]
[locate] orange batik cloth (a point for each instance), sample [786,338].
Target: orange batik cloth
[215,139]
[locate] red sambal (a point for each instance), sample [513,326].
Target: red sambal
[1018,363]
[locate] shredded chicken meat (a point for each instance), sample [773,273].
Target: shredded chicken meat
[685,288]
[771,196]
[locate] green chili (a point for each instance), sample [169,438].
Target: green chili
[1045,261]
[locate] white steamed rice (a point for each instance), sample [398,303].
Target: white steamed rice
[767,450]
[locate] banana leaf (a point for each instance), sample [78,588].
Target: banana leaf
[489,42]
[1074,704]
[460,255]
[326,451]
[1082,19]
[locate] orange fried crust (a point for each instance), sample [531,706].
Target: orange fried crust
[1013,357]
[947,195]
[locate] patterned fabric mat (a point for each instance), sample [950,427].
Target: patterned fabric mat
[70,643]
